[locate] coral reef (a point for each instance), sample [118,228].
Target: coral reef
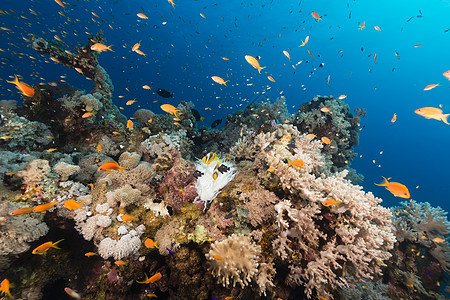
[263,208]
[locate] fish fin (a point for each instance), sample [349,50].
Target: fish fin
[444,119]
[384,183]
[145,280]
[15,81]
[260,68]
[54,244]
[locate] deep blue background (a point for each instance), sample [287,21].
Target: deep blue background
[183,54]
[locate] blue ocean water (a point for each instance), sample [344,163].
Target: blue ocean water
[184,50]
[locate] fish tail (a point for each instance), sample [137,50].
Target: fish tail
[54,244]
[260,68]
[444,119]
[384,183]
[15,81]
[145,280]
[109,48]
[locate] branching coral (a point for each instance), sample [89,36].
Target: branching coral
[316,240]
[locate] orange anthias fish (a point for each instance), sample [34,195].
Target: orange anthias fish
[271,78]
[21,211]
[298,164]
[254,63]
[225,58]
[431,86]
[110,165]
[130,124]
[363,25]
[120,263]
[72,293]
[446,74]
[140,52]
[305,42]
[342,97]
[42,249]
[44,207]
[87,115]
[219,80]
[100,47]
[316,16]
[149,243]
[432,113]
[89,254]
[397,189]
[154,278]
[377,28]
[330,202]
[170,109]
[142,16]
[126,218]
[24,88]
[394,118]
[287,54]
[4,288]
[72,204]
[438,240]
[60,3]
[171,2]
[218,257]
[326,140]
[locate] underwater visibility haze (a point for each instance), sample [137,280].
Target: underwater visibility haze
[180,149]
